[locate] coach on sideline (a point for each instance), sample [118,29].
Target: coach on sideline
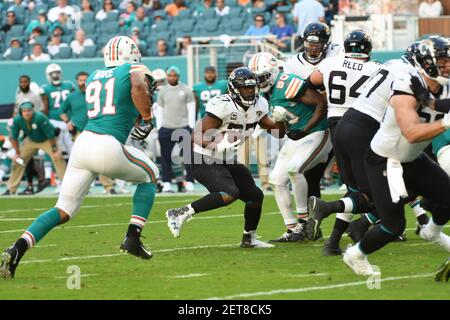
[39,133]
[177,104]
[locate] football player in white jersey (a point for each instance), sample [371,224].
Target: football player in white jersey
[214,166]
[317,47]
[396,165]
[343,78]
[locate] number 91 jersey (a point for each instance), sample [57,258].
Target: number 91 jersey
[344,79]
[110,107]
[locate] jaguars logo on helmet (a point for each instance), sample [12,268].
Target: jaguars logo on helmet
[242,86]
[427,54]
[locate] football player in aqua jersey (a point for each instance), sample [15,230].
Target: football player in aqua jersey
[53,94]
[214,162]
[119,102]
[208,89]
[303,109]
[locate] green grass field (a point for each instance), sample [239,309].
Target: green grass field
[205,262]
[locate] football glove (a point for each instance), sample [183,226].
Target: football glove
[141,130]
[420,92]
[279,114]
[296,134]
[225,145]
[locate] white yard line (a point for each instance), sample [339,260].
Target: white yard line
[82,276]
[299,290]
[192,275]
[306,275]
[122,254]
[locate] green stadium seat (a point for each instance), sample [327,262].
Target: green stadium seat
[43,40]
[236,12]
[161,13]
[67,39]
[88,17]
[183,15]
[159,26]
[16,31]
[208,14]
[112,16]
[109,28]
[234,27]
[284,9]
[210,28]
[64,53]
[184,27]
[88,27]
[16,54]
[231,3]
[89,52]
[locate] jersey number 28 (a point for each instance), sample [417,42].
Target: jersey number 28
[93,91]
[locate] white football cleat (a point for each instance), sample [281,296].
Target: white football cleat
[249,240]
[358,262]
[167,187]
[189,186]
[175,219]
[426,234]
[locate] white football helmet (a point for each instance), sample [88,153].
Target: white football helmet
[120,50]
[265,66]
[54,74]
[159,75]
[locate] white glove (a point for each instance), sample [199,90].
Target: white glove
[279,114]
[225,145]
[445,121]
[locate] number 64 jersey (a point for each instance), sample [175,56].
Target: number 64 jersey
[344,79]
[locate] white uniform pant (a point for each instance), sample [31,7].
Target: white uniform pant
[95,154]
[64,138]
[443,158]
[294,159]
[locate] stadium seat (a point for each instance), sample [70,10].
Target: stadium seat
[210,28]
[88,17]
[109,28]
[234,27]
[67,39]
[161,13]
[64,53]
[42,40]
[284,9]
[112,16]
[89,52]
[16,31]
[208,14]
[89,27]
[159,26]
[16,54]
[183,15]
[236,12]
[185,27]
[231,3]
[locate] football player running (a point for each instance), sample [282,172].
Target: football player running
[303,110]
[214,162]
[396,165]
[117,96]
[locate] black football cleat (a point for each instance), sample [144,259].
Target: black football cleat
[42,185]
[318,210]
[290,236]
[443,273]
[27,192]
[9,263]
[134,246]
[331,249]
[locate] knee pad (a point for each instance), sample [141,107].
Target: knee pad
[278,179]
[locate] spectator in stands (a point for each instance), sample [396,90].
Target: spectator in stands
[36,32]
[18,6]
[25,92]
[221,9]
[135,35]
[61,23]
[41,21]
[53,13]
[147,5]
[174,8]
[259,28]
[306,12]
[283,31]
[243,2]
[10,21]
[80,42]
[55,44]
[14,43]
[274,6]
[187,40]
[86,6]
[430,9]
[258,4]
[37,54]
[141,19]
[202,7]
[108,6]
[128,16]
[178,113]
[161,48]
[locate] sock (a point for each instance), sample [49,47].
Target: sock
[339,228]
[142,204]
[284,202]
[41,226]
[48,171]
[209,202]
[22,246]
[349,205]
[433,227]
[419,212]
[303,216]
[376,238]
[252,214]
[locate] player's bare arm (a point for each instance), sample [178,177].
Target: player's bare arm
[204,132]
[276,129]
[314,98]
[141,95]
[409,121]
[45,103]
